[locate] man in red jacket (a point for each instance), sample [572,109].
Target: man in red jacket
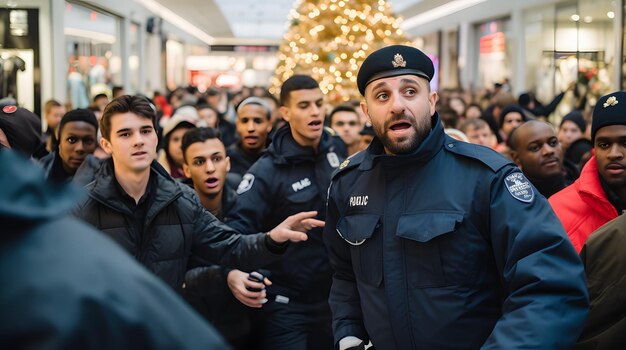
[599,194]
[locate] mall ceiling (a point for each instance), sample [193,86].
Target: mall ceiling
[246,20]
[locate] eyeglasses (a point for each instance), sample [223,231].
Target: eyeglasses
[350,123]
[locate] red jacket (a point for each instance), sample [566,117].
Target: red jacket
[583,206]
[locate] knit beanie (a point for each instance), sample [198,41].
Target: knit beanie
[610,110]
[575,117]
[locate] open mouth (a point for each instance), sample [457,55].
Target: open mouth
[137,154]
[400,126]
[315,123]
[212,182]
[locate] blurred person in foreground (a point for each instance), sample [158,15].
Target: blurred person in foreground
[66,286]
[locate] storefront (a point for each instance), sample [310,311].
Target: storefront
[494,52]
[93,51]
[20,57]
[232,67]
[572,44]
[431,44]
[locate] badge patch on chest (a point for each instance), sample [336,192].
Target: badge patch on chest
[333,160]
[519,187]
[245,184]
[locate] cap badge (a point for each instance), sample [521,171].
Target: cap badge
[398,61]
[611,101]
[9,109]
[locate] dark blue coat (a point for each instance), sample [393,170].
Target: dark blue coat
[287,180]
[67,286]
[449,247]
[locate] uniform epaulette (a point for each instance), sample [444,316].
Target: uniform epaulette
[494,160]
[351,162]
[330,130]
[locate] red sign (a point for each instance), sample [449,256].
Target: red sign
[492,43]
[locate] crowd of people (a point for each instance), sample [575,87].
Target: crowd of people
[410,218]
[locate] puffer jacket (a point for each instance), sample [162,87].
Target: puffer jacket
[176,226]
[583,206]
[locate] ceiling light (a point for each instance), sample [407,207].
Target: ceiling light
[588,19]
[610,14]
[575,18]
[438,12]
[176,20]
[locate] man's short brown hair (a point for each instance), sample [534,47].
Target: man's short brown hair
[135,104]
[51,104]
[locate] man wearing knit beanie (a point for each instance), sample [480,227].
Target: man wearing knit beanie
[599,194]
[572,128]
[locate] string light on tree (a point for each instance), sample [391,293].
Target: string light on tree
[328,39]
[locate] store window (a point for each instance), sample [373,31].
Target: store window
[20,56]
[576,42]
[494,59]
[430,44]
[93,53]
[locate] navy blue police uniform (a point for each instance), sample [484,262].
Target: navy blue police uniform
[286,180]
[448,247]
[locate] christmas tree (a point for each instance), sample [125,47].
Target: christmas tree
[329,39]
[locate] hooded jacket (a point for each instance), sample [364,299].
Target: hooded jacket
[176,226]
[67,286]
[286,180]
[583,206]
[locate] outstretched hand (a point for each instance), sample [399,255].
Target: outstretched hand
[294,228]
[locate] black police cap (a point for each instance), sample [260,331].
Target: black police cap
[392,61]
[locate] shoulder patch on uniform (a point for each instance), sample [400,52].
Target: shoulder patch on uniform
[331,131]
[519,187]
[494,160]
[245,184]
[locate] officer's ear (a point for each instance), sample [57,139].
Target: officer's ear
[227,164]
[364,109]
[432,100]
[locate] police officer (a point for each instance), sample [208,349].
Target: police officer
[442,244]
[294,174]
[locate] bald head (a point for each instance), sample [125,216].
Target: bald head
[526,130]
[536,149]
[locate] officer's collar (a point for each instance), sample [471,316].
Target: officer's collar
[424,152]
